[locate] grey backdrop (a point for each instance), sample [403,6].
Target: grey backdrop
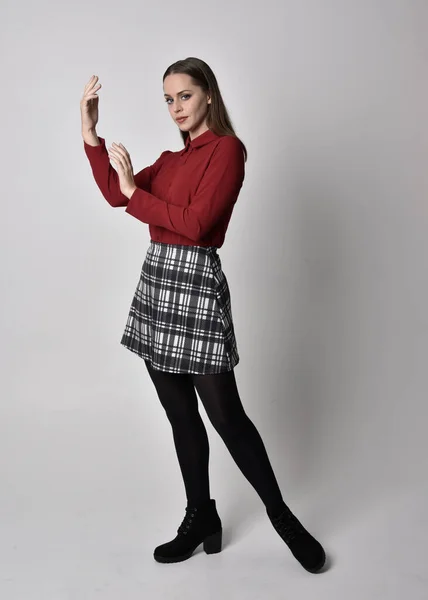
[326,261]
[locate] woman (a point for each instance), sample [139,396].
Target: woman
[180,321]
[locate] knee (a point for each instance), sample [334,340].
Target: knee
[230,425]
[182,419]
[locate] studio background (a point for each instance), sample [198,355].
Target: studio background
[326,259]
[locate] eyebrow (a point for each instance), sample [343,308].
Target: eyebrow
[178,93]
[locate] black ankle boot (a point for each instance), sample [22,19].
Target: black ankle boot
[305,548]
[200,524]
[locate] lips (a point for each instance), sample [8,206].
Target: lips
[181,119]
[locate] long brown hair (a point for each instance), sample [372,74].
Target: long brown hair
[218,119]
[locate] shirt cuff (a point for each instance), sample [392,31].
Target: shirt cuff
[95,150]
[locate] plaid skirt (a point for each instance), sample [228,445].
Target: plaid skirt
[180,318]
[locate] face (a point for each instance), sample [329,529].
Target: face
[186,100]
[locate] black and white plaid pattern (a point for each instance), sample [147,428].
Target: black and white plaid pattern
[181,317]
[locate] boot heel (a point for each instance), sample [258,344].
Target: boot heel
[212,543]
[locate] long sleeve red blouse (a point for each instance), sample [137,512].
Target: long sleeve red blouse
[186,197]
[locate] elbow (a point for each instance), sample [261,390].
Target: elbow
[200,234]
[116,201]
[197,232]
[201,228]
[190,226]
[113,194]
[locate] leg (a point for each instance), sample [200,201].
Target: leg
[178,397]
[219,395]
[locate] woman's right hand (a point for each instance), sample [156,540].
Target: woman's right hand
[89,104]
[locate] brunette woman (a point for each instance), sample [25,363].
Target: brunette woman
[180,319]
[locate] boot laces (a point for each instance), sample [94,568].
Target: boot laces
[288,526]
[188,518]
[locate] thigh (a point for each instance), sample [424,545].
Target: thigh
[219,395]
[176,392]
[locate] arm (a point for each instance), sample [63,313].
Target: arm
[216,193]
[107,178]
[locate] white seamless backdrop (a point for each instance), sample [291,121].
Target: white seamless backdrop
[326,258]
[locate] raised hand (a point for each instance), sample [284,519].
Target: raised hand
[89,104]
[122,162]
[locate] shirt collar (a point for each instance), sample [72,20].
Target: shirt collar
[200,140]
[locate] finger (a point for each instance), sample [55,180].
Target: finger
[93,85]
[93,89]
[121,153]
[116,149]
[118,158]
[90,95]
[124,158]
[116,163]
[124,149]
[126,155]
[92,80]
[113,153]
[119,148]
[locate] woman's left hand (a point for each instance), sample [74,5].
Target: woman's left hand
[122,161]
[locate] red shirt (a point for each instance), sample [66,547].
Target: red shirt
[186,197]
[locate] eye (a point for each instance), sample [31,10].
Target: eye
[183,96]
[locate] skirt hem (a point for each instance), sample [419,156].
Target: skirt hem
[161,367]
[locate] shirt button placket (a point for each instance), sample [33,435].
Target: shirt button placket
[187,154]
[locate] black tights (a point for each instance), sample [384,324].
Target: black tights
[219,395]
